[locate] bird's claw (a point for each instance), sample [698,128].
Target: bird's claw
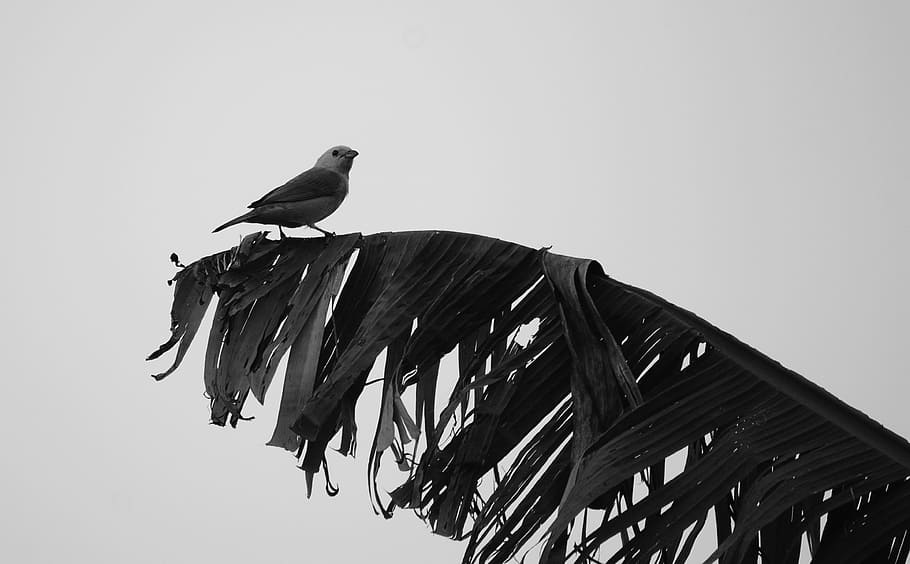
[328,234]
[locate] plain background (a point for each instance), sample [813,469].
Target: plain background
[747,162]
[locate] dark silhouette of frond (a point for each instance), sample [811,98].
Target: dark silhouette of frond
[563,441]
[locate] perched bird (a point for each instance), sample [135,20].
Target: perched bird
[307,198]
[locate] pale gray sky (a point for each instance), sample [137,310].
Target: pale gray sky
[748,162]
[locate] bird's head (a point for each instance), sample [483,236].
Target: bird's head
[338,158]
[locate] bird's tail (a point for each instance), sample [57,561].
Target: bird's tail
[235,221]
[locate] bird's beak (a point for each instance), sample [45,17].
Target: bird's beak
[351,154]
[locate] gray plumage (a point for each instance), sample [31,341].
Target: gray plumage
[307,198]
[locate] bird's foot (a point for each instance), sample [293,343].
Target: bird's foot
[321,230]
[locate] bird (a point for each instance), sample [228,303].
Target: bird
[309,197]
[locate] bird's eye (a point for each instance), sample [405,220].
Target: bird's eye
[335,153]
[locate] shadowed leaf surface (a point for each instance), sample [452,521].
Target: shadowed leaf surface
[560,445]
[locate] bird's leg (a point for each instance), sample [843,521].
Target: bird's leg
[321,230]
[281,232]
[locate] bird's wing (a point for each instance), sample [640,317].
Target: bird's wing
[314,183]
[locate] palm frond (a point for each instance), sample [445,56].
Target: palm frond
[565,441]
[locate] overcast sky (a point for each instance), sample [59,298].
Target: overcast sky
[749,163]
